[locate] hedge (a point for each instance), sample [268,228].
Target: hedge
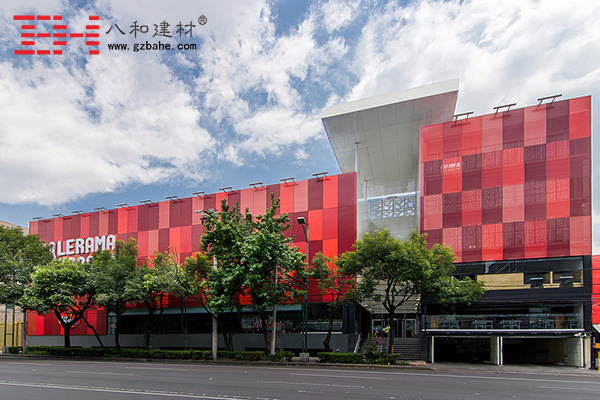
[14,349]
[340,358]
[156,354]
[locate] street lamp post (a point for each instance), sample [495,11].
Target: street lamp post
[302,222]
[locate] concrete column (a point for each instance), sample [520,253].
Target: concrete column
[496,356]
[432,349]
[575,357]
[356,157]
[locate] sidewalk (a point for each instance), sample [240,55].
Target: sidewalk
[521,369]
[441,367]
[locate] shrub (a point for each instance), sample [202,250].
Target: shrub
[154,354]
[226,354]
[281,355]
[14,349]
[340,358]
[38,350]
[249,355]
[202,355]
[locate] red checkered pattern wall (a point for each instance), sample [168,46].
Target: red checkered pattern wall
[510,185]
[327,203]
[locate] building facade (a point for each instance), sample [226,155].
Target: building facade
[510,192]
[328,204]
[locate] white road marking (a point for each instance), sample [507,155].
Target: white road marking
[27,363]
[159,369]
[340,376]
[566,388]
[360,374]
[98,373]
[115,390]
[313,384]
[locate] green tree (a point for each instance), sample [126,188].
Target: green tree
[336,283]
[223,241]
[19,256]
[177,283]
[391,271]
[198,278]
[268,256]
[64,288]
[149,287]
[113,272]
[183,281]
[253,255]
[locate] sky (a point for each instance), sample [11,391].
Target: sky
[81,131]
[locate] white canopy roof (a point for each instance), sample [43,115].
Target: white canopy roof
[387,129]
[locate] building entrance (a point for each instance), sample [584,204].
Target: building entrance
[405,326]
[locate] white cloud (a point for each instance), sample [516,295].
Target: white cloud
[517,52]
[126,118]
[60,142]
[272,130]
[338,14]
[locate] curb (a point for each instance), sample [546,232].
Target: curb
[310,364]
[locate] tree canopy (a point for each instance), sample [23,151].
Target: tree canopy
[113,272]
[253,258]
[64,288]
[19,255]
[392,270]
[337,283]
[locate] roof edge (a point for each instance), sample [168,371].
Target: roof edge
[391,98]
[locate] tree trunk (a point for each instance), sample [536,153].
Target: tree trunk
[148,334]
[214,333]
[183,323]
[93,330]
[67,335]
[228,339]
[66,328]
[327,341]
[117,331]
[263,324]
[392,332]
[274,331]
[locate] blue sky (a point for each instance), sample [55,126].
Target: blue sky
[79,132]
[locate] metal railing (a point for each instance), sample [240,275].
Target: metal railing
[511,322]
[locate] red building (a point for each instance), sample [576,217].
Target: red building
[510,192]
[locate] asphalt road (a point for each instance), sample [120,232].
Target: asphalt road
[49,379]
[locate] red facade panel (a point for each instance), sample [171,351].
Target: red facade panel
[580,117]
[535,239]
[330,192]
[301,196]
[471,172]
[316,224]
[471,208]
[432,143]
[471,137]
[287,197]
[525,183]
[434,212]
[328,204]
[513,129]
[330,223]
[452,175]
[315,194]
[452,140]
[534,126]
[513,168]
[557,121]
[491,133]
